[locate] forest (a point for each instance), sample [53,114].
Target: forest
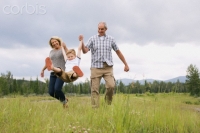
[9,85]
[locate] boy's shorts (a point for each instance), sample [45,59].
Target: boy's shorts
[66,76]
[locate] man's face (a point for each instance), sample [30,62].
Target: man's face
[101,29]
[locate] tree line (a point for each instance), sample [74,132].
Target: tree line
[9,85]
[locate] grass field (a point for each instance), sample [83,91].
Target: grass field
[147,113]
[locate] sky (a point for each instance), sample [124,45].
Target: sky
[158,38]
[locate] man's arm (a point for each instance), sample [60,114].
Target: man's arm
[121,56]
[84,49]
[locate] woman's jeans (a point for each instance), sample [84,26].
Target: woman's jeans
[55,87]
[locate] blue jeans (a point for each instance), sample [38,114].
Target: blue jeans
[55,87]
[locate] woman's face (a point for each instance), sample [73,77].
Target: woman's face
[55,43]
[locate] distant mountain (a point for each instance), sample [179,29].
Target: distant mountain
[181,79]
[126,81]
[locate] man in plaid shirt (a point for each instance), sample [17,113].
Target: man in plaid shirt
[101,46]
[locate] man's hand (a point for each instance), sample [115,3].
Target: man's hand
[126,68]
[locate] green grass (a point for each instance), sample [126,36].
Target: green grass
[156,113]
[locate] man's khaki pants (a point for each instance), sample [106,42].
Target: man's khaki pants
[96,75]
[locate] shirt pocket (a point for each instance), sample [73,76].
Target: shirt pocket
[107,46]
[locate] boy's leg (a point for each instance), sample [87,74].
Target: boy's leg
[50,66]
[78,71]
[56,69]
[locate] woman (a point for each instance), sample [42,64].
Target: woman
[55,83]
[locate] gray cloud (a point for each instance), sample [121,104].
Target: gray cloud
[28,29]
[128,21]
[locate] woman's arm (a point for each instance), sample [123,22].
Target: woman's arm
[64,50]
[42,72]
[65,47]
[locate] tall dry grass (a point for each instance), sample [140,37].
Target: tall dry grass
[147,113]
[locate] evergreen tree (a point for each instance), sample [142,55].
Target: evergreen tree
[137,87]
[169,87]
[193,80]
[15,88]
[36,86]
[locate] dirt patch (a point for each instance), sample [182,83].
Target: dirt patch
[197,109]
[43,100]
[191,108]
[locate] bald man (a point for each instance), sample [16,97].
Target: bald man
[101,46]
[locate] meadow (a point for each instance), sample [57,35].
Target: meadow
[133,113]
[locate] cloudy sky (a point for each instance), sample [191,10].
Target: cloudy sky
[159,38]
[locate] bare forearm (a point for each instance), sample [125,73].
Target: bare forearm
[80,45]
[121,56]
[65,47]
[64,53]
[42,72]
[79,49]
[44,68]
[84,49]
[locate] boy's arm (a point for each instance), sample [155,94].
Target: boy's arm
[79,49]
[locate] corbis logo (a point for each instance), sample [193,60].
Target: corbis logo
[25,9]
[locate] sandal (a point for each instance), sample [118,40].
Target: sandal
[48,63]
[78,71]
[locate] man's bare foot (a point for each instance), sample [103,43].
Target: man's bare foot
[48,63]
[78,71]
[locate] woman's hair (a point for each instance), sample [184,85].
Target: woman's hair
[56,38]
[71,51]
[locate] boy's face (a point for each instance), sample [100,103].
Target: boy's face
[70,56]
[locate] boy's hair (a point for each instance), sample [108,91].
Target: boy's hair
[56,38]
[71,51]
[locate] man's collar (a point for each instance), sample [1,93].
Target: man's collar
[100,36]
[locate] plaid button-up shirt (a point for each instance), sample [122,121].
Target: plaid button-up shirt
[101,50]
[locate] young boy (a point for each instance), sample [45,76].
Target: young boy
[72,70]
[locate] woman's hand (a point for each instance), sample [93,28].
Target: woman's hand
[64,46]
[42,73]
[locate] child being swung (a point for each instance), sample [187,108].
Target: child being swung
[72,70]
